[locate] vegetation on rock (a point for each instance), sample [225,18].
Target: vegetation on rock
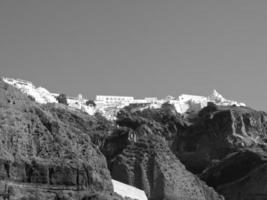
[62,98]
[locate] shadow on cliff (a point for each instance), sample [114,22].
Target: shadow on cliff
[224,145]
[141,154]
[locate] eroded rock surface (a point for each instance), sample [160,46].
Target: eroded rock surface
[218,131]
[227,147]
[224,145]
[52,152]
[46,151]
[148,163]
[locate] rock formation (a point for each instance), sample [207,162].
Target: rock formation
[218,131]
[224,145]
[46,152]
[241,175]
[227,147]
[147,162]
[53,151]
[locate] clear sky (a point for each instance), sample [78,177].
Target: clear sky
[138,47]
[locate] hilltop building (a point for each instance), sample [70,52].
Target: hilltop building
[17,82]
[109,105]
[113,99]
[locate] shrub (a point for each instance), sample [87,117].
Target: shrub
[31,98]
[210,108]
[90,102]
[62,98]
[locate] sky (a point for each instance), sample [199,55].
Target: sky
[139,48]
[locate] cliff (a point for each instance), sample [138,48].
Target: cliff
[145,160]
[218,131]
[52,151]
[225,146]
[46,151]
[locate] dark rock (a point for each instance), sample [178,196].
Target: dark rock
[252,186]
[233,167]
[218,132]
[227,146]
[147,162]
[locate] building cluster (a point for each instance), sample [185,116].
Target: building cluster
[106,99]
[109,105]
[43,96]
[40,94]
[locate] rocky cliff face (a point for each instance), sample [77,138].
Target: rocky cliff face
[241,175]
[147,162]
[218,131]
[46,151]
[227,147]
[54,152]
[224,145]
[253,186]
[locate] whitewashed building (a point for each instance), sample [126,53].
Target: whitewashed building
[113,99]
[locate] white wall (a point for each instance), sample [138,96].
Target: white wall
[113,99]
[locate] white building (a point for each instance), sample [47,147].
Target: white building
[188,97]
[18,82]
[40,94]
[139,101]
[109,105]
[151,99]
[113,99]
